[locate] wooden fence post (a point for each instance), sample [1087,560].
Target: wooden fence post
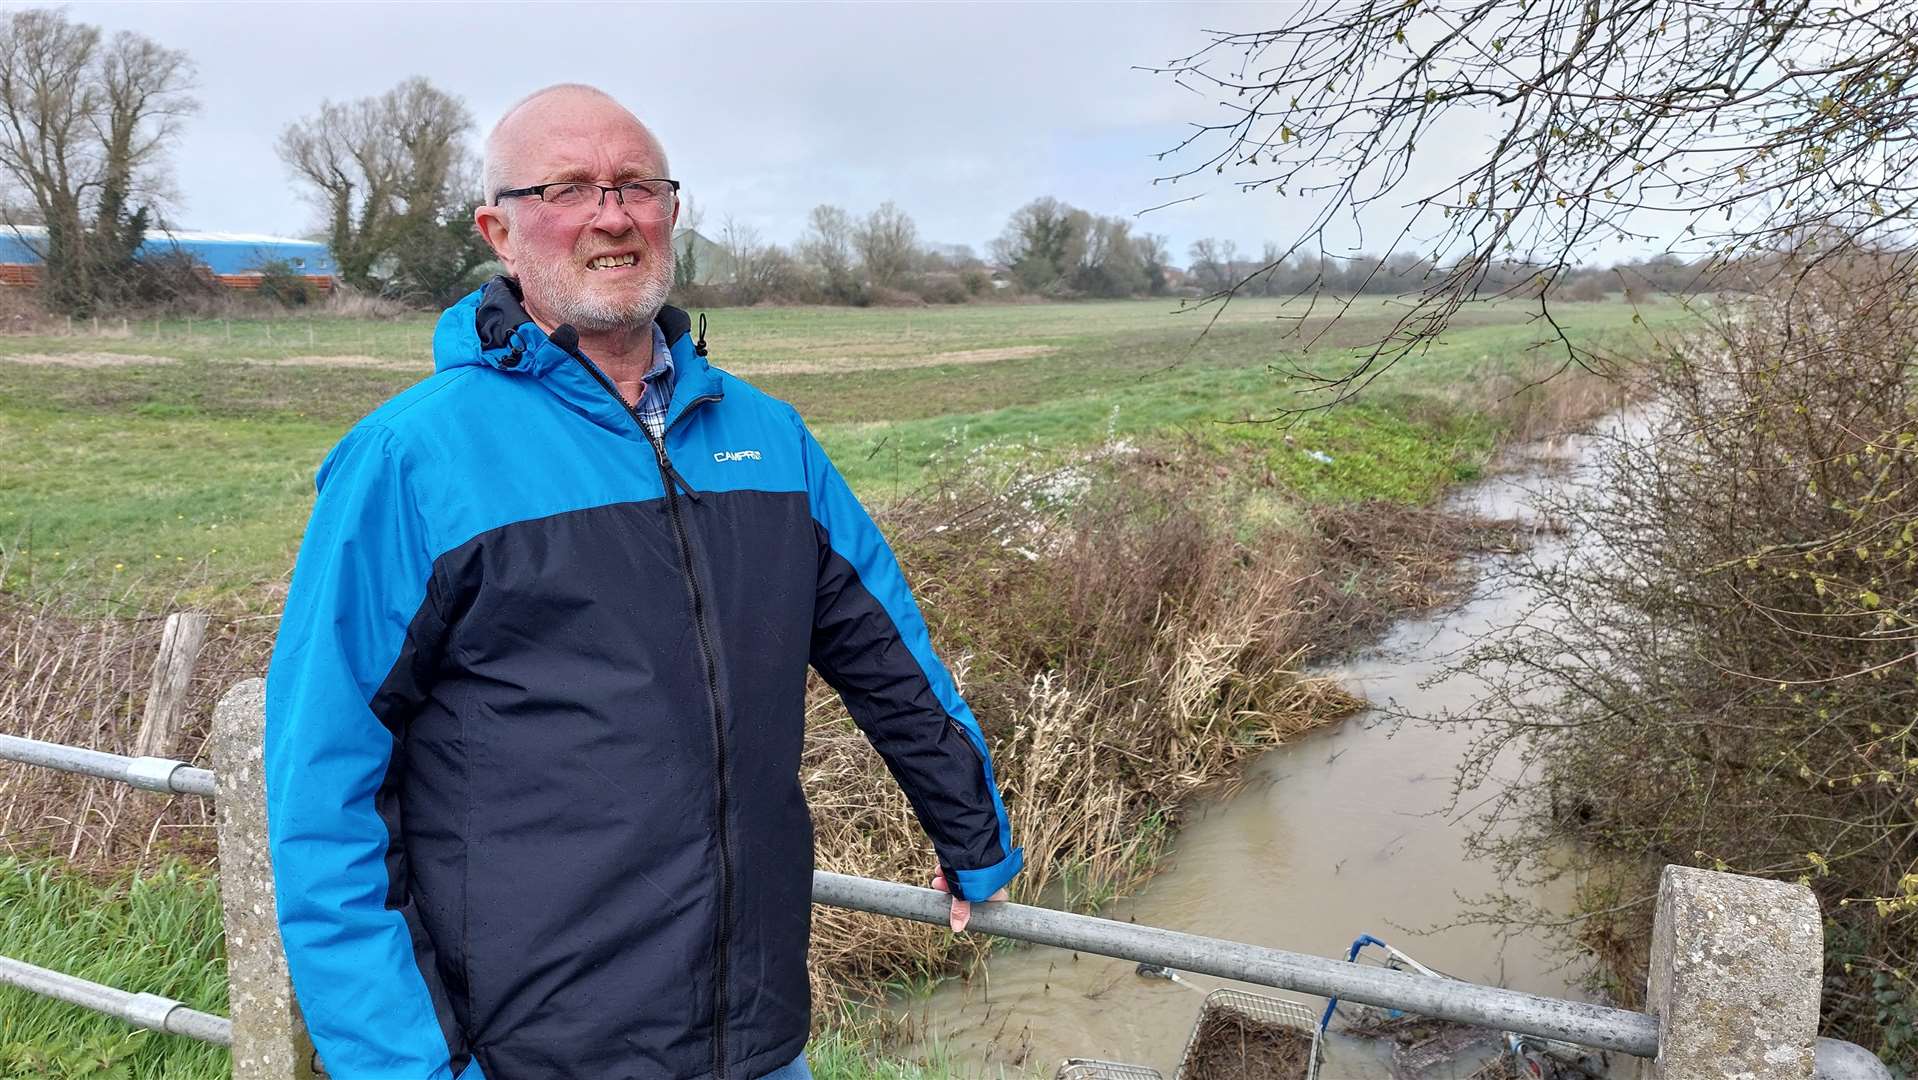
[269,1035]
[172,674]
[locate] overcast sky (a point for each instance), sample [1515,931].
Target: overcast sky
[960,113]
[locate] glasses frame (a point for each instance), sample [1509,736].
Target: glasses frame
[618,190]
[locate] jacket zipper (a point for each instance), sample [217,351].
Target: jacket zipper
[670,478]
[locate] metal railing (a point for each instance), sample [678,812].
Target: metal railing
[150,1011]
[1448,999]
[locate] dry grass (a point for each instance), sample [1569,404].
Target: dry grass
[82,682]
[1123,650]
[1538,399]
[1121,640]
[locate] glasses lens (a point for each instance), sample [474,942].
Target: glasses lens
[648,200]
[565,195]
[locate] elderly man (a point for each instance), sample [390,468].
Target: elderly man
[534,715]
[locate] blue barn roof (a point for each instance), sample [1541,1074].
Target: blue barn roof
[222,252]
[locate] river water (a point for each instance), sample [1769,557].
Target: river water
[1341,832]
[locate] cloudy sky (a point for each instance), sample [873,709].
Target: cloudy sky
[960,113]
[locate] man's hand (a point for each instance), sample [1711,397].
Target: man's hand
[961,909]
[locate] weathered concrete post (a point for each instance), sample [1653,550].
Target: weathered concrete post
[269,1036]
[1736,969]
[172,675]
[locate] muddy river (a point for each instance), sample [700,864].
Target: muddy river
[1342,832]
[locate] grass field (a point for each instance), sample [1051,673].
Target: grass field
[162,933]
[176,461]
[172,463]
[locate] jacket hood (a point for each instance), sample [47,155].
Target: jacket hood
[489,327]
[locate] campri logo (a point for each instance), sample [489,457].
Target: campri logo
[736,455]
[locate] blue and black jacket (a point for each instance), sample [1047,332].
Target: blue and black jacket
[534,720]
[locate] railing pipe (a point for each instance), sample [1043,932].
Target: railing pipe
[1449,999]
[151,773]
[149,1011]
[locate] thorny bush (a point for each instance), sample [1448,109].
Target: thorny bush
[1722,665]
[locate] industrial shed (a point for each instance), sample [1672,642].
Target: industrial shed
[232,259]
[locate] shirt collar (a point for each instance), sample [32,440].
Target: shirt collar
[662,358]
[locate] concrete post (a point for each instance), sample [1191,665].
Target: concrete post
[1736,969]
[269,1036]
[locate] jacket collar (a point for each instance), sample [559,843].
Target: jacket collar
[489,327]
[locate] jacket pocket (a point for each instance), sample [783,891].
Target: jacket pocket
[960,731]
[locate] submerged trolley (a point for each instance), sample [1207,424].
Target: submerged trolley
[1276,1014]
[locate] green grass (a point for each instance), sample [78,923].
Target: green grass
[192,478]
[187,478]
[161,934]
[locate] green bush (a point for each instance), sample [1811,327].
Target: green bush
[282,284]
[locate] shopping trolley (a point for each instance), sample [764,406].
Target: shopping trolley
[1284,1014]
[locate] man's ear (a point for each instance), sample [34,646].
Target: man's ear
[493,228]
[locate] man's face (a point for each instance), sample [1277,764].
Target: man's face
[597,268]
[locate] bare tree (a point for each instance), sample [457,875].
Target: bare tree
[887,242]
[83,129]
[1715,669]
[383,169]
[828,246]
[1213,263]
[1155,256]
[760,271]
[1737,128]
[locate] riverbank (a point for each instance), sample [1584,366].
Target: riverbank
[1127,596]
[1354,828]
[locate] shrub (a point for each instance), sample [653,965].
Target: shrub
[281,284]
[167,280]
[1585,288]
[943,289]
[1719,673]
[881,296]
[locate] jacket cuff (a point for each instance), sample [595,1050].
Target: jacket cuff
[976,885]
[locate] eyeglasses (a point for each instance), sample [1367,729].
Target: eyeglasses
[644,200]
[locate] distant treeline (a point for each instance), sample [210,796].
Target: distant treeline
[393,180]
[1050,249]
[1217,266]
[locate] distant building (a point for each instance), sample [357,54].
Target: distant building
[712,264]
[235,260]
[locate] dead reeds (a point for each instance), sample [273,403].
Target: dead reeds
[81,681]
[1123,641]
[1124,647]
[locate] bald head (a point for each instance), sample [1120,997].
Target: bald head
[512,147]
[604,266]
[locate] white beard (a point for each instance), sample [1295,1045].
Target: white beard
[558,294]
